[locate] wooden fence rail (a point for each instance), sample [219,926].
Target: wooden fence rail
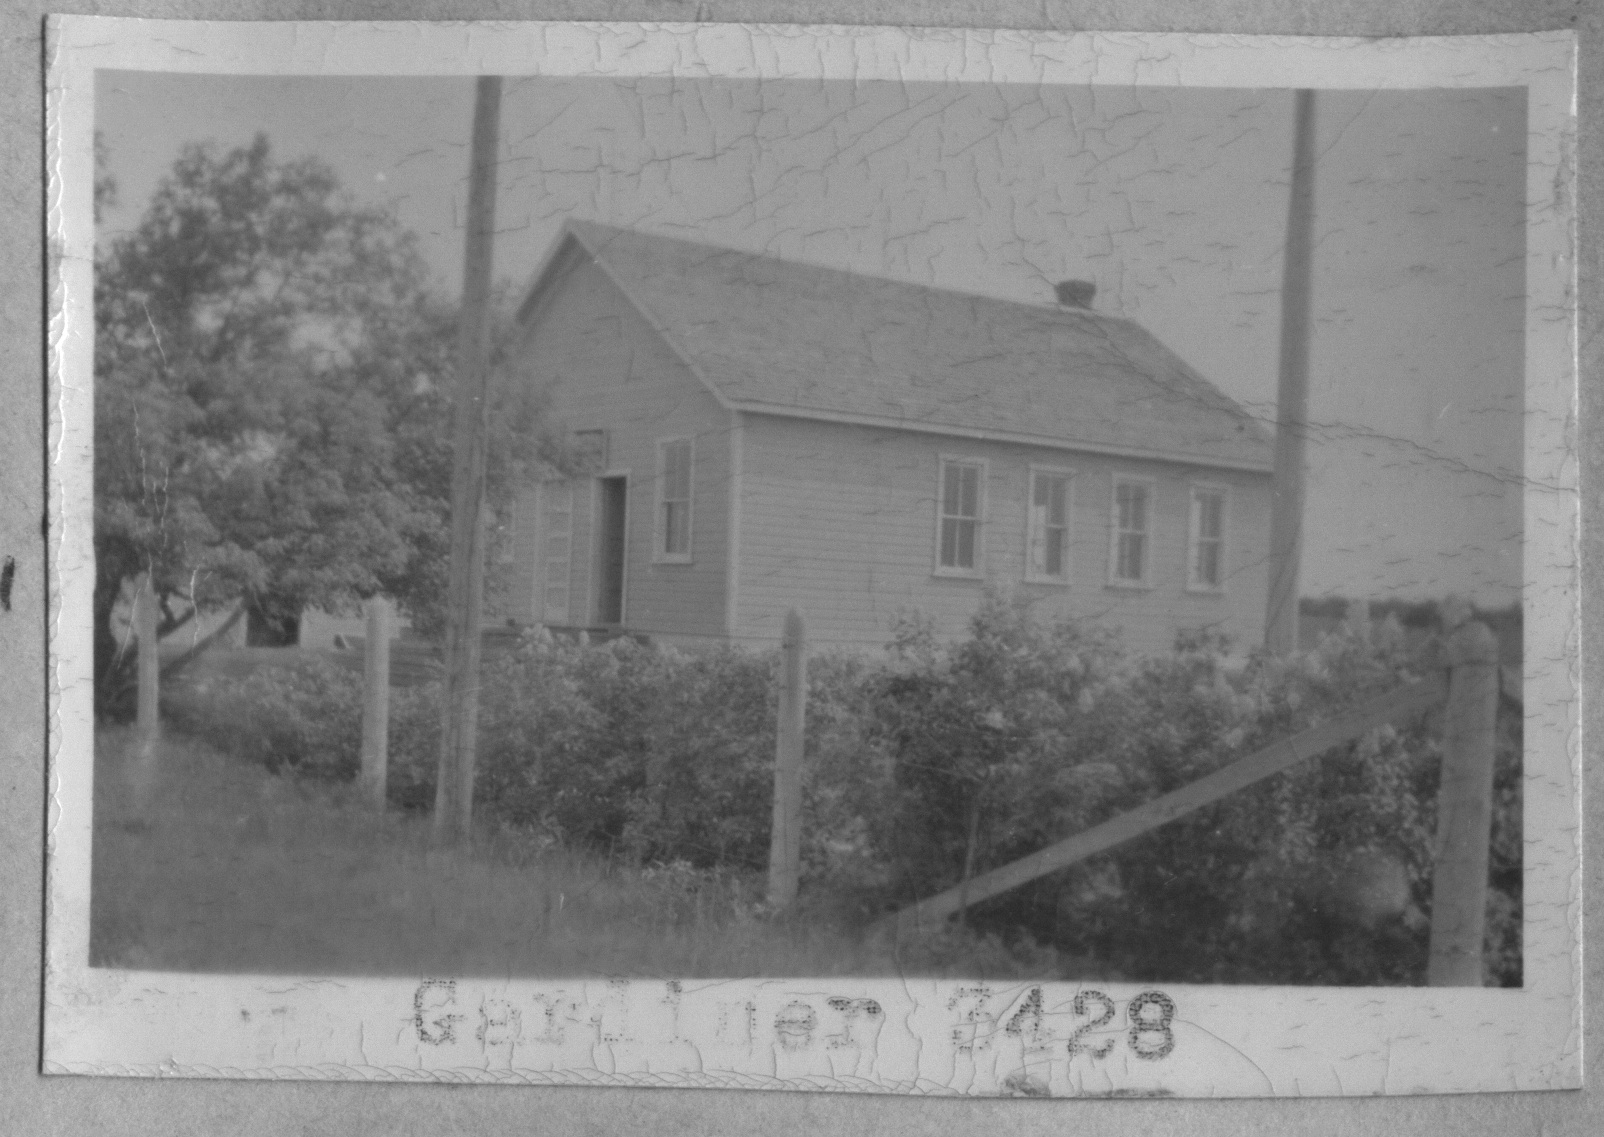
[1227,780]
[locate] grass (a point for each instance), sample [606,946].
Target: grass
[228,868]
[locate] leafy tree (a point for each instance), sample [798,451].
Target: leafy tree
[273,400]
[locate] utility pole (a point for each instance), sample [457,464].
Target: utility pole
[1292,395]
[453,799]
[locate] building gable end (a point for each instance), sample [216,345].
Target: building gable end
[569,250]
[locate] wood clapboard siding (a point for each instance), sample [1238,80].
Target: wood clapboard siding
[604,367]
[840,521]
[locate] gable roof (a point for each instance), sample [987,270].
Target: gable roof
[780,337]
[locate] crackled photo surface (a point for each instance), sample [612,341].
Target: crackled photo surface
[721,557]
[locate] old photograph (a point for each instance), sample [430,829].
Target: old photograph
[554,547]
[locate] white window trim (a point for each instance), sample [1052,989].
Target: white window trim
[659,557]
[979,571]
[1114,579]
[548,613]
[1193,537]
[1032,470]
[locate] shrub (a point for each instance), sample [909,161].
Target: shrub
[414,745]
[999,744]
[945,760]
[847,787]
[661,756]
[1318,875]
[304,713]
[633,750]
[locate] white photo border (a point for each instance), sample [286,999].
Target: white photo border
[930,1037]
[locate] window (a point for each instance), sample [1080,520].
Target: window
[958,544]
[674,501]
[1047,526]
[1205,557]
[1130,557]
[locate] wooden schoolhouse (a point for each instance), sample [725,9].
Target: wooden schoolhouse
[753,434]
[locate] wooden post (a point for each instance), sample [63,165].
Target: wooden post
[453,800]
[785,836]
[1464,809]
[147,722]
[376,703]
[1292,395]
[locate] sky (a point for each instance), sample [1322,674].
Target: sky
[1172,200]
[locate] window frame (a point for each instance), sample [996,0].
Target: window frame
[1033,471]
[550,495]
[1194,537]
[982,468]
[1150,484]
[501,532]
[660,553]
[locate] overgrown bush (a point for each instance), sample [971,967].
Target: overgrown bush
[1028,732]
[645,753]
[414,751]
[1000,743]
[942,761]
[1310,876]
[659,756]
[305,715]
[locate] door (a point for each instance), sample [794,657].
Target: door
[612,500]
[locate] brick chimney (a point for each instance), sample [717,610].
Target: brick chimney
[1075,293]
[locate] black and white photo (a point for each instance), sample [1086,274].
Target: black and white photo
[890,559]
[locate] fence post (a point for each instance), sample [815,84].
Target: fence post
[149,663]
[1464,809]
[376,703]
[785,837]
[147,724]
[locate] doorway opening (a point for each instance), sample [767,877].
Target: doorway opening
[612,500]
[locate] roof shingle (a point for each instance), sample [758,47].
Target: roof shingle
[778,336]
